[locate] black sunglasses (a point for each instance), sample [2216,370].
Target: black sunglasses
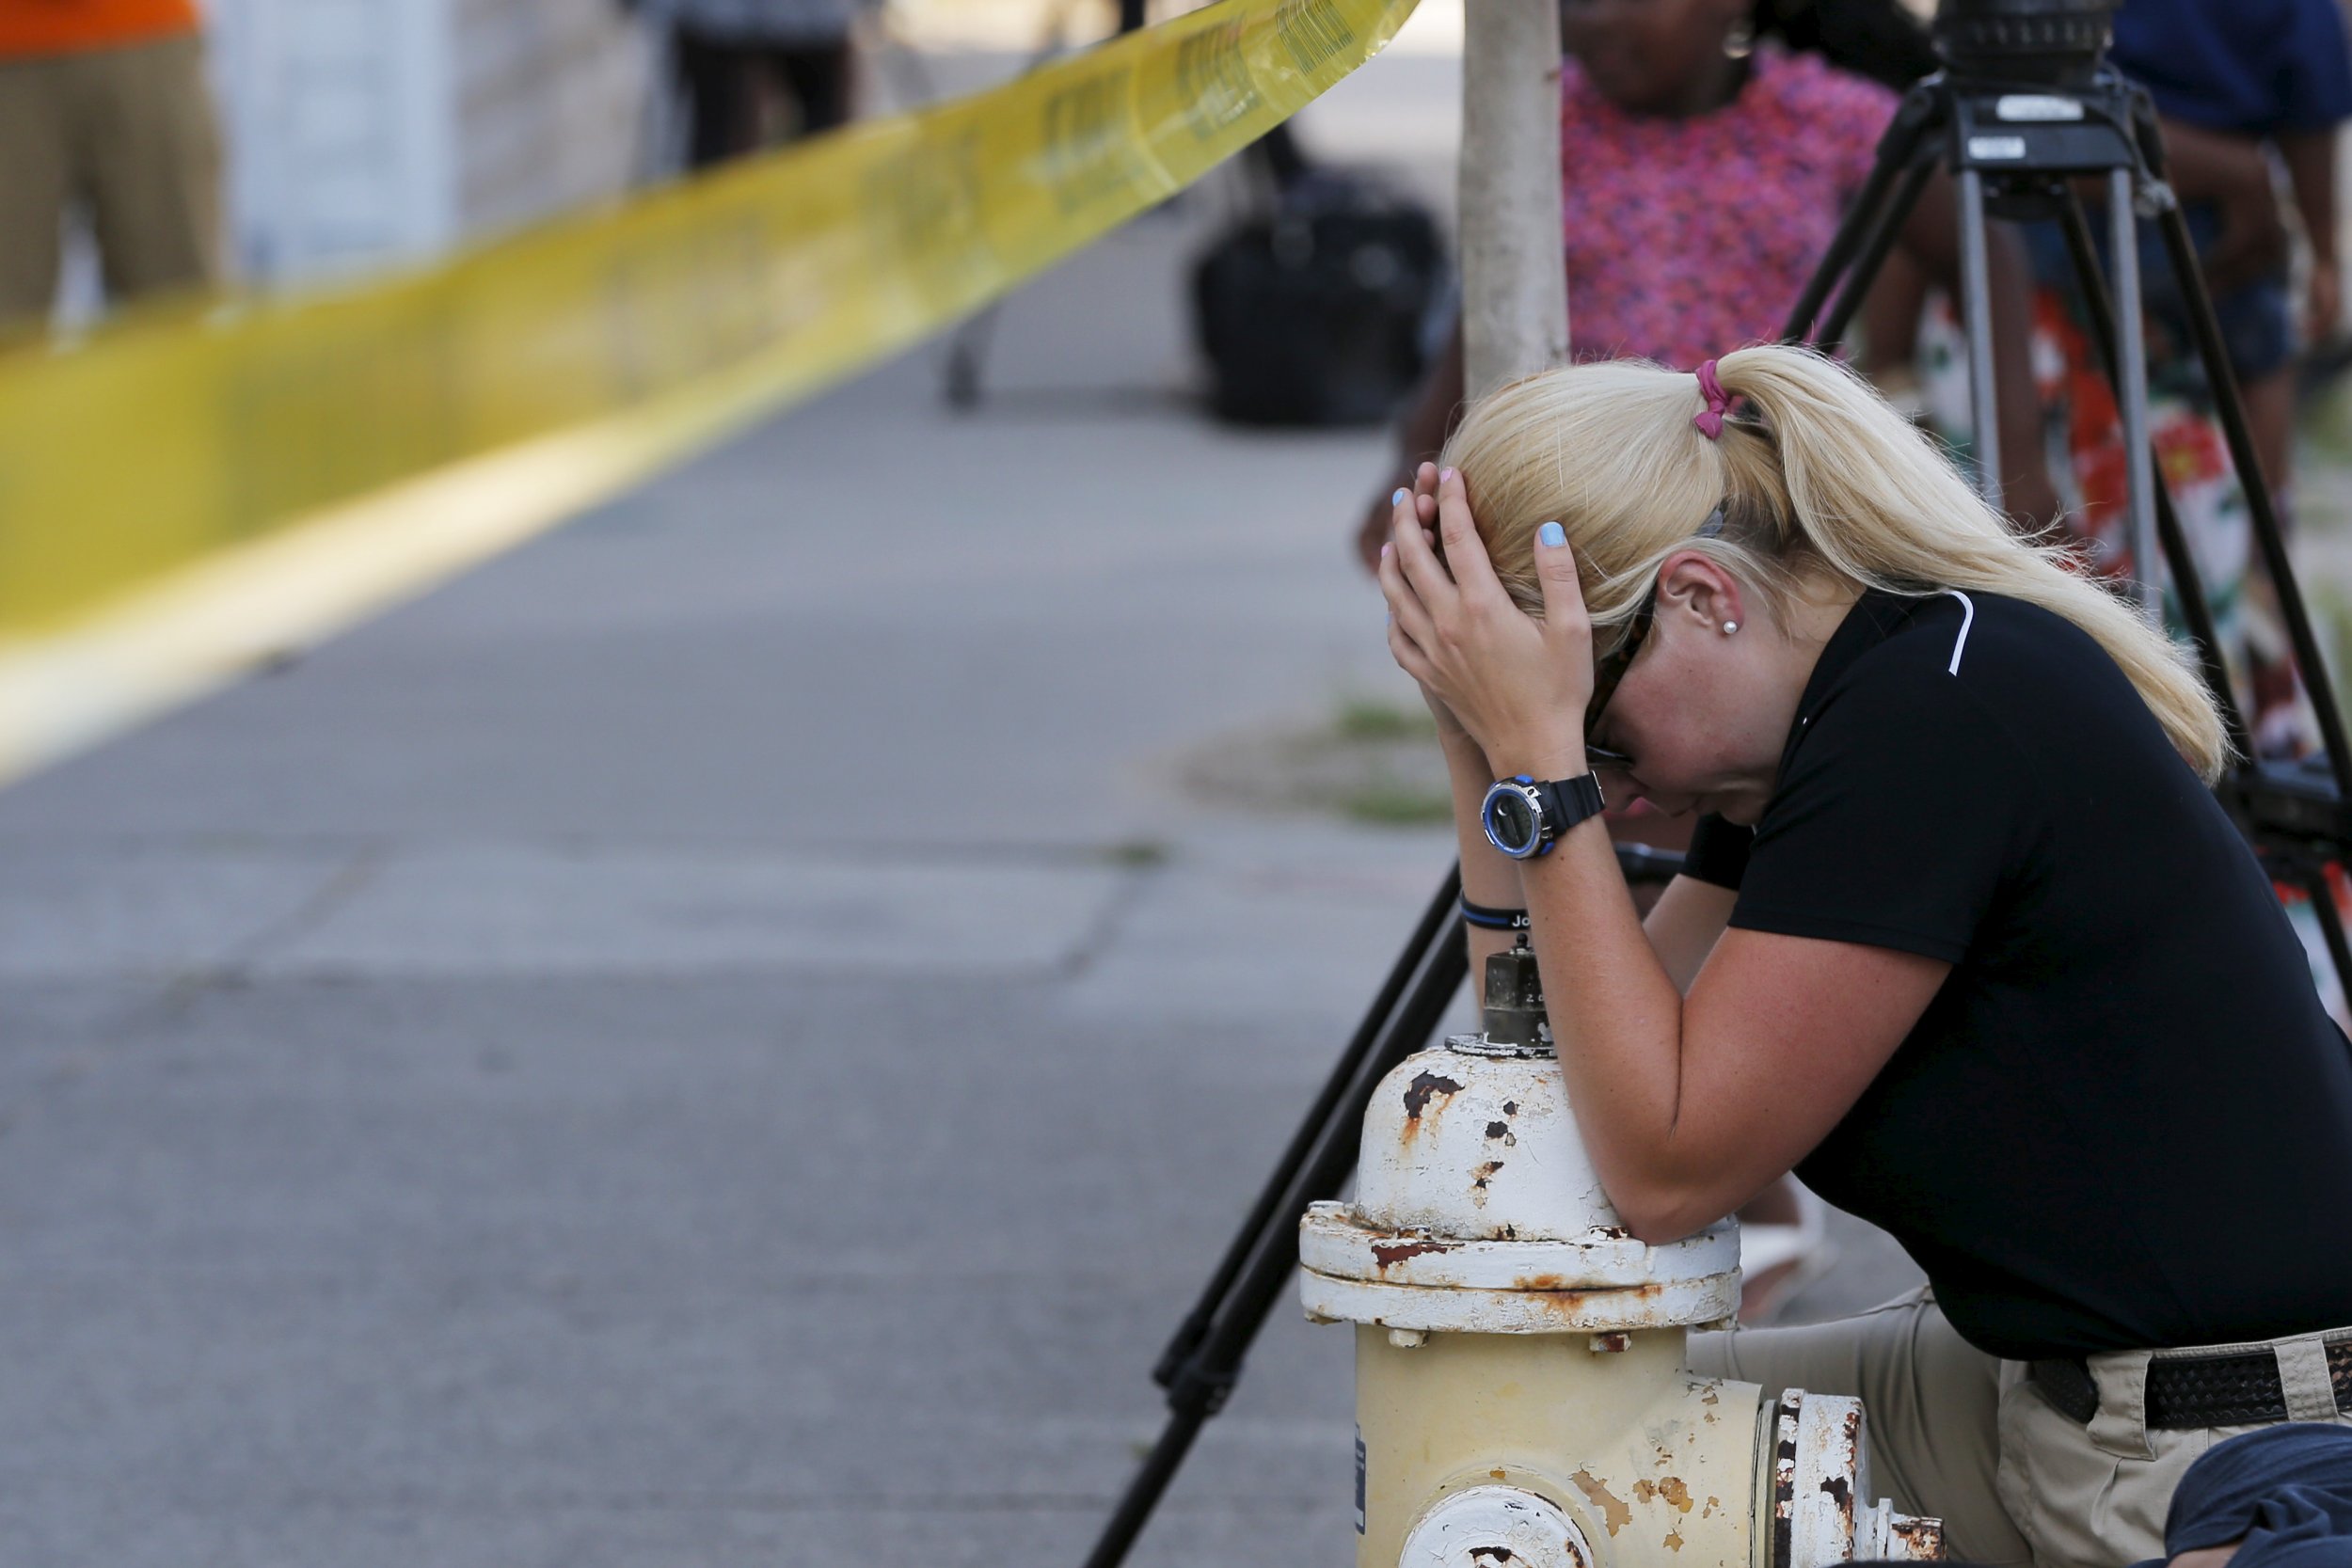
[1606,671]
[1611,667]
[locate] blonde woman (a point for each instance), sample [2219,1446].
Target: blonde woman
[1965,941]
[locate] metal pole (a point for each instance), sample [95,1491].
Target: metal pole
[1975,277]
[1514,297]
[2139,474]
[1514,321]
[2189,585]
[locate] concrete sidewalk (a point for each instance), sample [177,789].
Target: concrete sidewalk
[719,1039]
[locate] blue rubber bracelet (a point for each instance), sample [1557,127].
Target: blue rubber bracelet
[1490,919]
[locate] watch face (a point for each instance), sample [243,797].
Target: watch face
[1511,822]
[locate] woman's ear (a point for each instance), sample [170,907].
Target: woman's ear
[1693,586]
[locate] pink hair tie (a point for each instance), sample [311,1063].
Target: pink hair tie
[1710,421]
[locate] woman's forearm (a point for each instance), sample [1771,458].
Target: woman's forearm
[1616,1017]
[2210,165]
[1488,875]
[1684,926]
[2310,160]
[2233,173]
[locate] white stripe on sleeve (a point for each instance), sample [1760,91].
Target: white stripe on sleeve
[1968,619]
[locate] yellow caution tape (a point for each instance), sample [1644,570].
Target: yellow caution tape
[647,329]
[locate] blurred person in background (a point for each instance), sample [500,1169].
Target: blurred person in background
[735,61]
[2236,81]
[105,109]
[1705,168]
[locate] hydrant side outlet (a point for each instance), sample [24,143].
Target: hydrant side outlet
[1649,1462]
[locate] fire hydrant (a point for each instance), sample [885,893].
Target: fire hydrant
[1522,1400]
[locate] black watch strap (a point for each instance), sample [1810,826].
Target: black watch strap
[1569,802]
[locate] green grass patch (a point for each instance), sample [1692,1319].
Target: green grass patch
[1368,719]
[1394,806]
[2326,426]
[1138,853]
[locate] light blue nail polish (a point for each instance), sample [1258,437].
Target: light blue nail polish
[1397,499]
[1552,535]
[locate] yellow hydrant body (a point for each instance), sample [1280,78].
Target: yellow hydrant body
[1649,1462]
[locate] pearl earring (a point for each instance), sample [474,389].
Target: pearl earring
[1730,627]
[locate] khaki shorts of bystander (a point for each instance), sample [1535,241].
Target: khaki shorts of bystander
[127,134]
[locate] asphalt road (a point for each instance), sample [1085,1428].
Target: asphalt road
[718,1038]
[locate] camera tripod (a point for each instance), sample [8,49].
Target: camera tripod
[2016,148]
[2016,137]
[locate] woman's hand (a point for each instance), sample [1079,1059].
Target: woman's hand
[1451,733]
[1517,686]
[1422,499]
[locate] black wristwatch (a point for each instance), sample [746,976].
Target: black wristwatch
[1524,819]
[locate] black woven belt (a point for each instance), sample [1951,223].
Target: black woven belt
[2228,1390]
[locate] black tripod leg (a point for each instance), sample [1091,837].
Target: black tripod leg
[1201,1385]
[2181,249]
[2188,583]
[1435,926]
[1144,1492]
[2330,919]
[1884,229]
[1920,111]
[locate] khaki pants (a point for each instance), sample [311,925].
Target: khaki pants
[1958,1433]
[127,135]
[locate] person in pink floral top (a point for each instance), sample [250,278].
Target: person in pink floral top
[1702,176]
[1689,235]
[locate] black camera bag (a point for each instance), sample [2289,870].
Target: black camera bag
[1324,313]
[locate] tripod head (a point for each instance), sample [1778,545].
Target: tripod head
[2027,87]
[2052,43]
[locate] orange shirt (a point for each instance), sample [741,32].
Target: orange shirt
[55,26]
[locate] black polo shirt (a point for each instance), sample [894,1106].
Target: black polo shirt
[2126,1121]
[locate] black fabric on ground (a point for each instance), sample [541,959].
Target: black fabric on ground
[2285,1492]
[2126,1121]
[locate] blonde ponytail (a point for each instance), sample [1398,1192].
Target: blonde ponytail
[1819,474]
